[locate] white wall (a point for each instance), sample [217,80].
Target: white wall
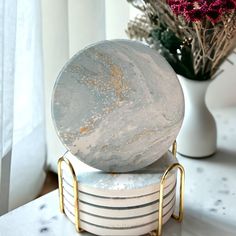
[86,23]
[117,16]
[222,91]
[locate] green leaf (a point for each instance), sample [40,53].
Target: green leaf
[170,41]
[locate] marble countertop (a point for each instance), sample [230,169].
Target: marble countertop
[210,196]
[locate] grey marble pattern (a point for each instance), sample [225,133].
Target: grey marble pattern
[117,105]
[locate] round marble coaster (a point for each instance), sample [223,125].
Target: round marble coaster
[118,231]
[138,183]
[120,202]
[112,105]
[119,212]
[120,222]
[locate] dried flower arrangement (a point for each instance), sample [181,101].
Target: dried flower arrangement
[195,36]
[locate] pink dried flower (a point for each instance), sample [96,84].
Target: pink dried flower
[197,10]
[194,15]
[213,15]
[229,4]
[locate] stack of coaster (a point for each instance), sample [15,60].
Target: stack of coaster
[119,204]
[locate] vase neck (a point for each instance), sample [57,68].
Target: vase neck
[194,91]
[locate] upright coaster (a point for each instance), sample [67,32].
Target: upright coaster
[113,105]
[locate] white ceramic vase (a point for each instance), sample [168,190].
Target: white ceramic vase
[197,137]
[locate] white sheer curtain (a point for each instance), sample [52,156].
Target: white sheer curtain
[7,56]
[22,133]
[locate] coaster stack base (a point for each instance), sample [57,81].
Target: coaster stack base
[161,194]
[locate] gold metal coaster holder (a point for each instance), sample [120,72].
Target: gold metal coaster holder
[177,166]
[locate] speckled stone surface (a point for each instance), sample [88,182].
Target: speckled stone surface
[133,184]
[117,106]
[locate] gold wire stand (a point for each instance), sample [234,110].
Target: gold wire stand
[178,217]
[75,190]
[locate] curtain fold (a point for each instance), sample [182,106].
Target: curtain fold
[8,9]
[29,144]
[22,130]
